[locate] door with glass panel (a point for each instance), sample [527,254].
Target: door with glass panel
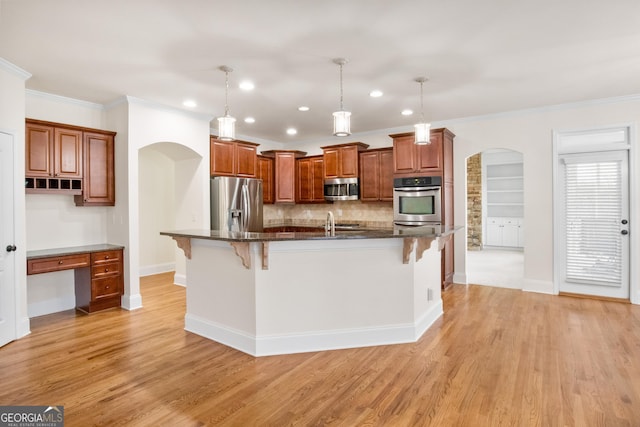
[594,229]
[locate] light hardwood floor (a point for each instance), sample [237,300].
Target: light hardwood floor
[498,357]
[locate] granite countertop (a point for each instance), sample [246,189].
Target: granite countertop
[313,234]
[45,253]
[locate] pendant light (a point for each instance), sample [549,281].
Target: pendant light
[342,118]
[226,123]
[422,129]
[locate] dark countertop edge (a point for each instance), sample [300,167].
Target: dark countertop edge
[290,236]
[72,250]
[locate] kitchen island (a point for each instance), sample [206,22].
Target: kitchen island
[289,292]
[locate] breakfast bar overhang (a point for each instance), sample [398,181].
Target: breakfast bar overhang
[279,293]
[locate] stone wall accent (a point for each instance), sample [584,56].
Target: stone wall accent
[474,202]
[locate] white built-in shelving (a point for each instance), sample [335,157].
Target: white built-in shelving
[503,198]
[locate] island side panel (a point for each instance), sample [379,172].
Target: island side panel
[220,295]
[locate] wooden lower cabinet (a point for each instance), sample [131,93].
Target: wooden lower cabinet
[98,273]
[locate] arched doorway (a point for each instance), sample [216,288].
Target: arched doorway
[165,170]
[495,218]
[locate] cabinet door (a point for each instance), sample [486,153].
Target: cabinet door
[246,159]
[265,173]
[285,178]
[305,181]
[430,156]
[386,175]
[510,233]
[494,232]
[221,158]
[404,152]
[348,157]
[317,181]
[67,153]
[370,176]
[39,150]
[99,174]
[331,162]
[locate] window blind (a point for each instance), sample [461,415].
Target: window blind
[593,194]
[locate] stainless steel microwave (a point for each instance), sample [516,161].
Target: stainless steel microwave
[417,201]
[341,189]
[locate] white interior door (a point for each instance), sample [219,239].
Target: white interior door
[594,229]
[7,248]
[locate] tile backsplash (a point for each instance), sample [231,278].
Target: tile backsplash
[369,214]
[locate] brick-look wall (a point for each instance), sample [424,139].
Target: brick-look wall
[474,202]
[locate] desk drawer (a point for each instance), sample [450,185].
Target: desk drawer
[106,269]
[105,287]
[57,263]
[105,256]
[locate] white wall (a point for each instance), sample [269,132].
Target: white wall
[531,133]
[149,124]
[157,210]
[12,115]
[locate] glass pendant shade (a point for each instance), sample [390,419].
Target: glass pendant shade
[342,123]
[226,128]
[423,131]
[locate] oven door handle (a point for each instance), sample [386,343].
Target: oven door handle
[416,188]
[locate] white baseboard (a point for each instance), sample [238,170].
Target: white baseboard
[180,280]
[148,270]
[314,341]
[131,302]
[460,278]
[539,286]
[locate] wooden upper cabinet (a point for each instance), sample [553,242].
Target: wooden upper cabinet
[284,172]
[410,159]
[310,179]
[265,173]
[341,161]
[233,158]
[52,151]
[70,159]
[99,170]
[39,150]
[376,175]
[246,160]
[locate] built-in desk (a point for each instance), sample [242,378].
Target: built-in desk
[98,271]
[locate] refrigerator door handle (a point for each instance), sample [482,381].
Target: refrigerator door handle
[245,207]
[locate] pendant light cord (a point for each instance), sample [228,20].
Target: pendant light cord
[341,107]
[421,102]
[226,93]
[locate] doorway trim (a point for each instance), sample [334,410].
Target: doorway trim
[630,128]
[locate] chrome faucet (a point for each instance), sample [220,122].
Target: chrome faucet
[330,225]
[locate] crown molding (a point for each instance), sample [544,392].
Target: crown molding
[64,99]
[14,69]
[157,106]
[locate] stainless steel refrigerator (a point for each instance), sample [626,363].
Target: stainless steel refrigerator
[236,204]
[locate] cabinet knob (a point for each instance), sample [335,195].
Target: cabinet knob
[59,262]
[106,270]
[106,257]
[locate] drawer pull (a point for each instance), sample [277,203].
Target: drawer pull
[60,262]
[106,270]
[106,257]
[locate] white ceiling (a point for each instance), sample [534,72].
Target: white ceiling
[481,57]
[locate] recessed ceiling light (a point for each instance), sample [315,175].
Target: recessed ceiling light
[303,108]
[375,93]
[190,103]
[249,120]
[407,112]
[246,85]
[292,131]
